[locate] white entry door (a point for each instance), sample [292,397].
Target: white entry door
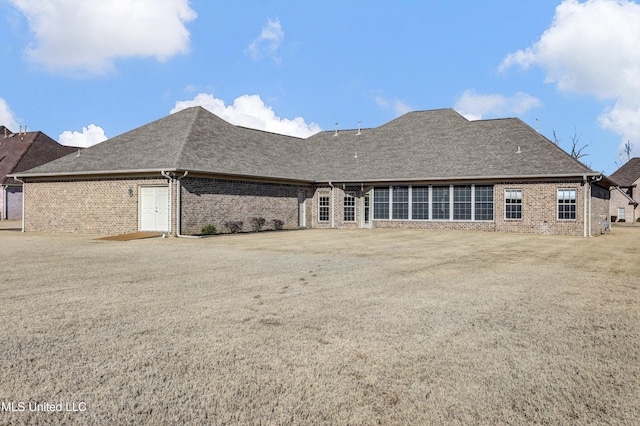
[154,208]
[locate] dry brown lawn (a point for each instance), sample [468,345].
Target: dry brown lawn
[322,327]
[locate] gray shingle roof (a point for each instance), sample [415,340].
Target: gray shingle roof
[422,145]
[628,173]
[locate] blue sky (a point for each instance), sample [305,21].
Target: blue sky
[82,71]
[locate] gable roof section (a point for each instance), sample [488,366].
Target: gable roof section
[421,145]
[24,151]
[628,173]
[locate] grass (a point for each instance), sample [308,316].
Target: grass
[323,327]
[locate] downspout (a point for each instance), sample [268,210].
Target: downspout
[179,208]
[24,191]
[170,178]
[3,214]
[333,205]
[584,206]
[595,179]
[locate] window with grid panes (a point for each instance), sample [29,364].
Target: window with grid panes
[440,202]
[323,208]
[513,204]
[349,207]
[400,202]
[381,203]
[483,199]
[420,202]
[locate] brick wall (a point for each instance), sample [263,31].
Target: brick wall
[84,206]
[539,211]
[216,201]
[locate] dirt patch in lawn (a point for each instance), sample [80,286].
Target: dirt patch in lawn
[132,236]
[322,327]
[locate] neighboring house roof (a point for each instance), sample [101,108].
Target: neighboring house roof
[422,145]
[24,151]
[628,174]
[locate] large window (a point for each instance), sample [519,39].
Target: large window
[323,208]
[440,202]
[567,204]
[461,203]
[400,202]
[381,203]
[483,202]
[451,202]
[513,204]
[420,203]
[349,207]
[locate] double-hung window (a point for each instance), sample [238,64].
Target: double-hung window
[323,208]
[483,202]
[400,202]
[381,203]
[461,203]
[513,204]
[440,202]
[349,207]
[420,203]
[567,203]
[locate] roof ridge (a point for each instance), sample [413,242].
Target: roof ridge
[182,149]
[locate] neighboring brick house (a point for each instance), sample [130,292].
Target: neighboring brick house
[425,169]
[624,204]
[18,152]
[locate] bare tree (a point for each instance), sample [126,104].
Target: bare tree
[576,152]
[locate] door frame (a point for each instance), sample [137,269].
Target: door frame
[141,188]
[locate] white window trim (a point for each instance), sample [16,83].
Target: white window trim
[521,204]
[558,204]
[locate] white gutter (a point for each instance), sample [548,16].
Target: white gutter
[24,191]
[333,205]
[4,202]
[584,205]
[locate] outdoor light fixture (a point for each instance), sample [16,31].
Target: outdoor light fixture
[130,191]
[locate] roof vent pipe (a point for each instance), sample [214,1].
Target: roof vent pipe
[20,132]
[25,129]
[359,132]
[336,133]
[518,151]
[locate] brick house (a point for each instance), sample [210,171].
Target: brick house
[624,197]
[18,152]
[425,169]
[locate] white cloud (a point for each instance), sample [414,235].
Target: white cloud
[397,106]
[90,135]
[268,42]
[592,48]
[7,117]
[87,36]
[474,105]
[250,111]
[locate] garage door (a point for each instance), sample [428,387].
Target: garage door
[154,208]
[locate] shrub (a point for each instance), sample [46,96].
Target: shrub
[277,224]
[257,223]
[208,230]
[234,226]
[638,219]
[621,220]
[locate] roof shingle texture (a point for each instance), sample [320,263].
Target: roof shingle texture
[25,151]
[629,173]
[438,144]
